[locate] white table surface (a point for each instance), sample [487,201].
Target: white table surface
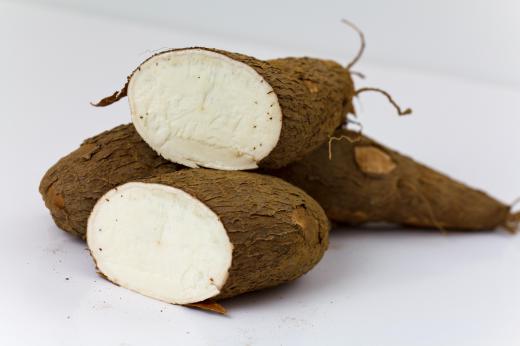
[373,287]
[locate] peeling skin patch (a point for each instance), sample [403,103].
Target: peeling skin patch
[372,160]
[201,108]
[301,217]
[165,243]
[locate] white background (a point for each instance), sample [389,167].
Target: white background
[477,39]
[374,287]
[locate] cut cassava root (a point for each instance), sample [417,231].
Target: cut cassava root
[363,181]
[198,234]
[72,186]
[216,109]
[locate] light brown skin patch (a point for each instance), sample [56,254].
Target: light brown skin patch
[301,217]
[55,199]
[372,160]
[312,86]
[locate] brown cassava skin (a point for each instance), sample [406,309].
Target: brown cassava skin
[72,186]
[367,182]
[315,95]
[278,232]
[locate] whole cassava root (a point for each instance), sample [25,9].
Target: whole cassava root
[199,234]
[363,181]
[212,108]
[351,192]
[71,187]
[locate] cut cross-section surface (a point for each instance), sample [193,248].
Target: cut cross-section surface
[202,108]
[161,242]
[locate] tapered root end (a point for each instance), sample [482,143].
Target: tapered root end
[209,306]
[116,96]
[512,222]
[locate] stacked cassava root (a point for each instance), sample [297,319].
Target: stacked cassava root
[158,224]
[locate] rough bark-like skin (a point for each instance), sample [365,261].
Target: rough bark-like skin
[72,186]
[278,231]
[315,95]
[392,188]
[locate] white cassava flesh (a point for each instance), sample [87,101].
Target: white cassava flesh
[159,241]
[201,108]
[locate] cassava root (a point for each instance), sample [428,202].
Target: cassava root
[217,109]
[199,234]
[364,181]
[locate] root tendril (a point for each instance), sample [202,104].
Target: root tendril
[351,140]
[400,111]
[362,46]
